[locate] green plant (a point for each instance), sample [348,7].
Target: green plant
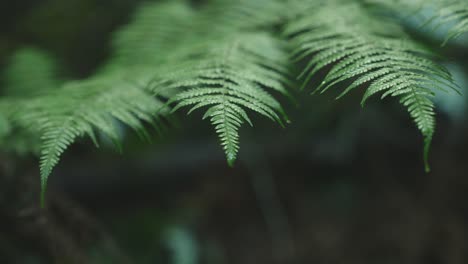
[230,58]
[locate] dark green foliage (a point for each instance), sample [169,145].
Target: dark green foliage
[231,59]
[228,77]
[370,50]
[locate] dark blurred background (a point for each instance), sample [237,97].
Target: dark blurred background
[340,184]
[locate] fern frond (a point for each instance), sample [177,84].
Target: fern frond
[30,72]
[452,14]
[221,69]
[248,14]
[161,32]
[80,109]
[229,76]
[156,28]
[224,57]
[370,51]
[14,139]
[455,13]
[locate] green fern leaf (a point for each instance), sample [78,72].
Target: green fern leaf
[222,70]
[224,57]
[452,14]
[156,28]
[80,109]
[368,50]
[229,76]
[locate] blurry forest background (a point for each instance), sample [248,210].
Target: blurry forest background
[340,184]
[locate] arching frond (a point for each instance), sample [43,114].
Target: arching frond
[30,71]
[228,57]
[156,28]
[222,69]
[455,14]
[228,76]
[164,32]
[80,109]
[452,14]
[370,51]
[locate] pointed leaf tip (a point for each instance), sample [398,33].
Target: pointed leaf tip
[231,159]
